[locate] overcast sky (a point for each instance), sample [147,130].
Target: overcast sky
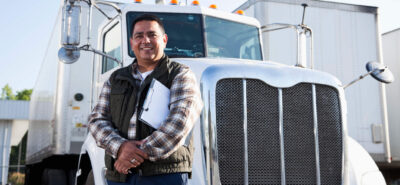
[26,28]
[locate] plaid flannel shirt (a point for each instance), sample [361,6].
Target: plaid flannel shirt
[185,107]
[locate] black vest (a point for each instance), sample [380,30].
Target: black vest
[124,102]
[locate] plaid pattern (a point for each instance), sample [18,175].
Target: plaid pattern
[185,107]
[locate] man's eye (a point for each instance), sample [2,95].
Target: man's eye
[138,36]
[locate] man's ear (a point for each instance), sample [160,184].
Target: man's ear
[165,39]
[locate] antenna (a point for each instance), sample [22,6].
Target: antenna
[304,12]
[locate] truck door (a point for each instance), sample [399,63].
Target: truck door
[111,41]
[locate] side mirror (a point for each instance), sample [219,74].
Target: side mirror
[378,71]
[70,35]
[68,55]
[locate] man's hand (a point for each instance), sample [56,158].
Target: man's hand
[129,156]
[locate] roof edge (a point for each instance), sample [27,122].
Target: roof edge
[317,3]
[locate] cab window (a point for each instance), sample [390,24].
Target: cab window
[112,47]
[236,40]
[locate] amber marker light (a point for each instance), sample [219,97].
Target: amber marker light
[240,12]
[195,3]
[213,6]
[138,1]
[174,2]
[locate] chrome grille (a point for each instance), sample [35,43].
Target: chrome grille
[330,135]
[260,136]
[230,139]
[298,132]
[263,137]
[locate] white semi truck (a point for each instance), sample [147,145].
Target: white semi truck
[262,123]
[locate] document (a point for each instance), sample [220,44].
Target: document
[156,105]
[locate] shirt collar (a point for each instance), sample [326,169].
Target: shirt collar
[135,72]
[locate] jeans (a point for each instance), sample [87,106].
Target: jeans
[164,179]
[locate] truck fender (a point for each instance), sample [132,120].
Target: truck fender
[96,155]
[361,167]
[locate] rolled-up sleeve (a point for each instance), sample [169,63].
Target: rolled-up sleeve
[185,108]
[100,126]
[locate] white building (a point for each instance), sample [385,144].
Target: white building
[13,125]
[391,55]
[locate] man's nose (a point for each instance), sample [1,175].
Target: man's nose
[146,39]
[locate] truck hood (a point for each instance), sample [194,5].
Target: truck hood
[277,75]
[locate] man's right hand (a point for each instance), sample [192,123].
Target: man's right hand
[129,156]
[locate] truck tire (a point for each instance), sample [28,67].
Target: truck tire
[90,178]
[54,177]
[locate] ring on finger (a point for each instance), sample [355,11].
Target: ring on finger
[133,160]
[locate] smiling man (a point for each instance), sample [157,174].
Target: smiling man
[136,153]
[148,42]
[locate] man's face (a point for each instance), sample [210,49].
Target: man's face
[148,42]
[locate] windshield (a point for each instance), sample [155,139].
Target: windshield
[223,38]
[231,40]
[185,38]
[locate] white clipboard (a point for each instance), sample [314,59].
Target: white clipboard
[156,105]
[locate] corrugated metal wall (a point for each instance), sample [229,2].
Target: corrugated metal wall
[14,109]
[9,110]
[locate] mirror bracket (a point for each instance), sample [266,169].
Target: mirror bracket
[70,54]
[89,48]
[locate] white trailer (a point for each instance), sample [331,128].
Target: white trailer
[262,122]
[59,111]
[391,55]
[345,37]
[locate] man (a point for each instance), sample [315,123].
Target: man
[135,152]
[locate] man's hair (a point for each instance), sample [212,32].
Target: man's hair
[148,17]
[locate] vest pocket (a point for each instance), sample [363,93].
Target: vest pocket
[117,98]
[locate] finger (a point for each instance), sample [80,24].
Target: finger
[119,167]
[126,171]
[121,171]
[134,161]
[137,158]
[123,166]
[141,153]
[128,165]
